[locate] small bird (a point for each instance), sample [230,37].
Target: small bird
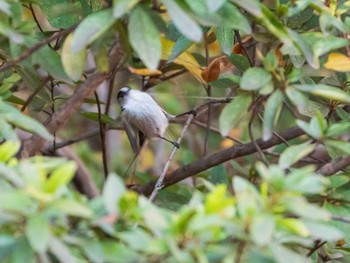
[142,117]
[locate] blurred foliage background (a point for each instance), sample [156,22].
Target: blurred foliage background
[262,174]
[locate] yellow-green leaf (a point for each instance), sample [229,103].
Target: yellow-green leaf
[73,62]
[338,62]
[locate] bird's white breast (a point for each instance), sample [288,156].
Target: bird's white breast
[145,114]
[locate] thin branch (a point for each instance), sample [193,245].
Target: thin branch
[102,136]
[208,90]
[239,39]
[219,157]
[251,136]
[30,51]
[35,18]
[341,219]
[33,95]
[110,92]
[317,245]
[159,184]
[53,112]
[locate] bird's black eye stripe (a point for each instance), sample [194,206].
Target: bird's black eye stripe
[123,92]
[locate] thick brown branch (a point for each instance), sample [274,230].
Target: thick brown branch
[31,146]
[55,122]
[218,158]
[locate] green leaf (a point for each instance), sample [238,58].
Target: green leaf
[255,78]
[214,5]
[322,44]
[16,201]
[218,199]
[121,7]
[136,238]
[337,129]
[344,115]
[324,91]
[223,83]
[91,28]
[225,37]
[340,145]
[305,181]
[241,62]
[248,198]
[300,207]
[7,31]
[183,21]
[73,62]
[23,252]
[313,129]
[252,6]
[331,25]
[298,98]
[144,37]
[59,177]
[273,104]
[61,251]
[294,153]
[49,60]
[8,149]
[71,208]
[95,117]
[233,113]
[17,118]
[282,253]
[38,232]
[219,18]
[218,175]
[181,44]
[324,231]
[262,229]
[5,7]
[60,13]
[113,190]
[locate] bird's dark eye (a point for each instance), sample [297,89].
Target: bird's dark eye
[123,92]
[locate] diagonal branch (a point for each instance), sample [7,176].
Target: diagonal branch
[218,158]
[335,166]
[28,52]
[56,121]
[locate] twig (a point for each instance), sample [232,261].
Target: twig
[208,90]
[53,112]
[159,184]
[36,91]
[317,245]
[240,251]
[239,39]
[260,152]
[341,219]
[35,18]
[218,158]
[110,92]
[76,139]
[102,136]
[28,52]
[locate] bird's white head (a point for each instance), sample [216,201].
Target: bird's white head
[123,95]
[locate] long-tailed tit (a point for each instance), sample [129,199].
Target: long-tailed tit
[142,117]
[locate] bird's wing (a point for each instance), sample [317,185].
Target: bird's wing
[167,115]
[133,135]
